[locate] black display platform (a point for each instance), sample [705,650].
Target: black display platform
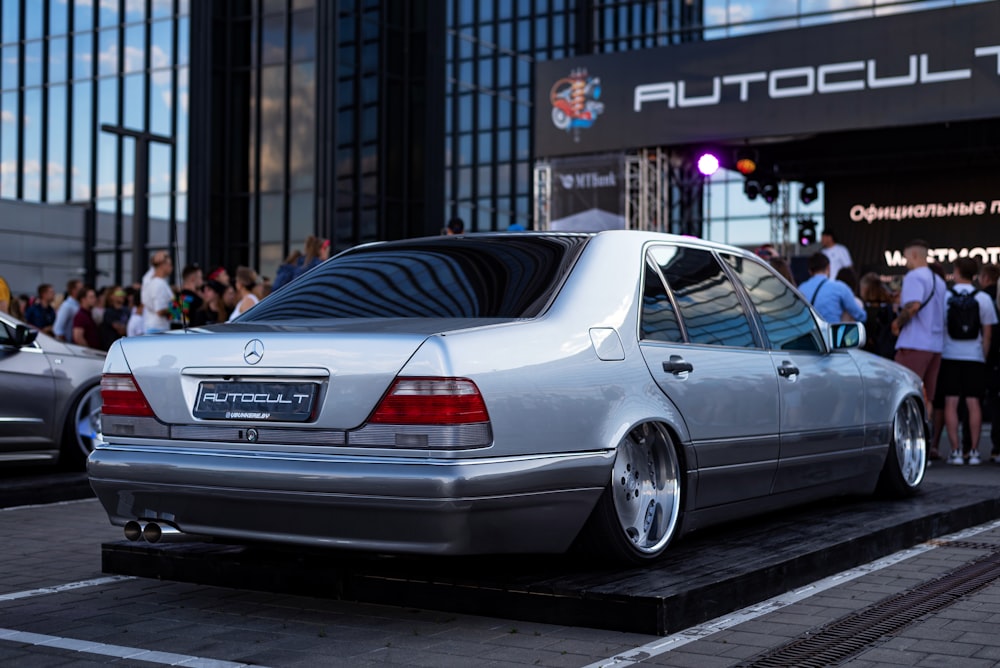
[706,575]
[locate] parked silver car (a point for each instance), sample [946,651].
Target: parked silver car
[504,393]
[50,397]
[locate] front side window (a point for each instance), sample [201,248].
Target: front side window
[489,277]
[709,305]
[786,318]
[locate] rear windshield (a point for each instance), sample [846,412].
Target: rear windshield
[490,276]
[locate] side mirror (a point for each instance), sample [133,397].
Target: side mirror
[17,336]
[846,335]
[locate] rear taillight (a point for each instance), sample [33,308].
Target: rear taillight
[121,396]
[431,401]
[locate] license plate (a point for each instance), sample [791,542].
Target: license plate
[285,402]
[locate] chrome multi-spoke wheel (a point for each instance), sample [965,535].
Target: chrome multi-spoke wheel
[639,512]
[83,428]
[907,457]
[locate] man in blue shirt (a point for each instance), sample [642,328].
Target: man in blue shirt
[830,298]
[63,326]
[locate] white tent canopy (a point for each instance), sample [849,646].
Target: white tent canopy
[591,220]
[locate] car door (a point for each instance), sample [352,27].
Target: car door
[822,406]
[27,395]
[701,349]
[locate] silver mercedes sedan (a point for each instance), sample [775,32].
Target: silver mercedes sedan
[501,393]
[50,398]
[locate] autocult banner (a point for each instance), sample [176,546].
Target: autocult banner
[958,215]
[907,69]
[588,193]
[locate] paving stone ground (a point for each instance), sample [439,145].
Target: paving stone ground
[52,545]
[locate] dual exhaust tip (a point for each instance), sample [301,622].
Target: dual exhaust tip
[151,532]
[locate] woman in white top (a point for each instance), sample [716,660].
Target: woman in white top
[246,280]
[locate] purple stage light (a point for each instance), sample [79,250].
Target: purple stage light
[708,164]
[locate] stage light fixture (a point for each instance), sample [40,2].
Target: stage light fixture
[708,164]
[746,161]
[807,232]
[751,188]
[809,192]
[769,191]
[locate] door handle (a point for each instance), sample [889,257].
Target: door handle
[786,369]
[677,365]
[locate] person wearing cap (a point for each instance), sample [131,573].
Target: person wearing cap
[220,275]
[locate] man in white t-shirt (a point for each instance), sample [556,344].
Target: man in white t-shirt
[156,294]
[839,256]
[963,361]
[920,321]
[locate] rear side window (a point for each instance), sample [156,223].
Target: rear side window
[709,305]
[514,276]
[659,321]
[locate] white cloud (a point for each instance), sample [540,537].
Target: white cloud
[134,59]
[111,190]
[7,116]
[108,59]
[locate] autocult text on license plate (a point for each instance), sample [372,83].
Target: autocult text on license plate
[292,402]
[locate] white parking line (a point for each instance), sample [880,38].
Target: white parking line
[69,586]
[671,642]
[46,505]
[117,651]
[102,649]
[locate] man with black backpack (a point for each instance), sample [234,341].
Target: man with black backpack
[970,317]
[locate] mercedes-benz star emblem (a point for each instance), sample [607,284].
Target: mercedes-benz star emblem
[252,435]
[254,351]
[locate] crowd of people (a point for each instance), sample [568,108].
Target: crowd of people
[938,326]
[942,332]
[96,318]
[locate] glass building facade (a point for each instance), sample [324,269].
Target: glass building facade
[73,67]
[261,122]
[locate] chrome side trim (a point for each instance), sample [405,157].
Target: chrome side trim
[264,435]
[418,437]
[434,437]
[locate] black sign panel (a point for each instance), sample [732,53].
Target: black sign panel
[907,69]
[588,193]
[286,402]
[957,214]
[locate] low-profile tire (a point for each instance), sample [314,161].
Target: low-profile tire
[82,430]
[639,512]
[904,466]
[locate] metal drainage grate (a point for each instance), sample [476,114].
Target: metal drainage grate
[850,635]
[965,544]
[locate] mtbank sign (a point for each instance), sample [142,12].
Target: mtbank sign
[909,69]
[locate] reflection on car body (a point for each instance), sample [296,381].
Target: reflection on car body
[505,393]
[50,397]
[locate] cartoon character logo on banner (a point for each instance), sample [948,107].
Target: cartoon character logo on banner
[575,102]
